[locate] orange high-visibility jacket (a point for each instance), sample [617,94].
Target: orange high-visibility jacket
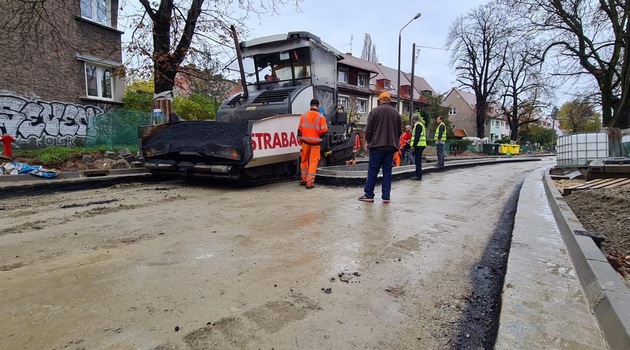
[312,126]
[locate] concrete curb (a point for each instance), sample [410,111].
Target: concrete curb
[70,175]
[346,176]
[607,294]
[11,182]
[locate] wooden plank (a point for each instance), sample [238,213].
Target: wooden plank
[587,184]
[622,183]
[607,183]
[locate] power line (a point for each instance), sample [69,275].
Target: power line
[432,48]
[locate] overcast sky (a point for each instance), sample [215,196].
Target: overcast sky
[341,22]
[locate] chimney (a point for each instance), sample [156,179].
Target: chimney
[404,90]
[349,53]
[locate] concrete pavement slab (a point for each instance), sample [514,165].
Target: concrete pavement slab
[543,303]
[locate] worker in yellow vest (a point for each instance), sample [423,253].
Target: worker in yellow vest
[418,143]
[440,138]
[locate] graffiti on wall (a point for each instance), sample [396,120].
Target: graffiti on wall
[37,123]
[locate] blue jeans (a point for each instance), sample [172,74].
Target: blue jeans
[440,154]
[378,160]
[408,157]
[417,156]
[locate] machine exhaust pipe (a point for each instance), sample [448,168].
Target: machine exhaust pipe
[239,57]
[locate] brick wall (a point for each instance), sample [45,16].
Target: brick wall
[42,63]
[43,98]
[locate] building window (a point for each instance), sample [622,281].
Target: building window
[452,111]
[342,102]
[362,80]
[97,11]
[361,105]
[388,84]
[99,81]
[342,76]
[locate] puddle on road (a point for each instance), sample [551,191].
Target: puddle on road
[562,343]
[204,256]
[559,270]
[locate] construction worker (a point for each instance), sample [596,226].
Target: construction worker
[405,149]
[311,129]
[418,143]
[7,140]
[440,138]
[397,156]
[355,151]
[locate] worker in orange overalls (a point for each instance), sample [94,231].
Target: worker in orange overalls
[396,158]
[311,129]
[6,144]
[355,150]
[403,142]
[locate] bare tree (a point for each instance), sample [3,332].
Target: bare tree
[521,85]
[478,44]
[374,55]
[369,49]
[587,37]
[177,27]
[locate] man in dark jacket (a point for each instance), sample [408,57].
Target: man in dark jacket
[382,135]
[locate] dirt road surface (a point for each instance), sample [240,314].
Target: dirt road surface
[179,266]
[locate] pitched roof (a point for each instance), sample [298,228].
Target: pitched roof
[469,97]
[460,133]
[391,74]
[419,83]
[356,62]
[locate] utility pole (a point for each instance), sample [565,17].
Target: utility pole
[399,103]
[413,78]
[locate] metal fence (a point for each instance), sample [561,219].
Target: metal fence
[117,128]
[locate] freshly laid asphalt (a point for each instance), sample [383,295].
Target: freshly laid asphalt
[559,290]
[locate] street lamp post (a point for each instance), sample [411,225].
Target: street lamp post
[413,78]
[399,44]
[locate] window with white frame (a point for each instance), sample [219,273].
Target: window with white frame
[388,84]
[452,111]
[97,11]
[361,105]
[99,81]
[342,102]
[342,76]
[362,80]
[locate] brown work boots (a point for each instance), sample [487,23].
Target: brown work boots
[308,187]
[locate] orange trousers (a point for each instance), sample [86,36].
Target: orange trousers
[396,159]
[310,159]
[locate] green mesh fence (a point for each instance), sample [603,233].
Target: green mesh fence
[117,128]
